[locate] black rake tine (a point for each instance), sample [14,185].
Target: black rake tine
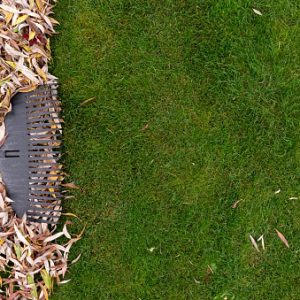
[41,120]
[45,203]
[33,220]
[45,208]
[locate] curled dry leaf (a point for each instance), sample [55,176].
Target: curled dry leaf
[235,204]
[282,237]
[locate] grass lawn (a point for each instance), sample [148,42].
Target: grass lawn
[196,105]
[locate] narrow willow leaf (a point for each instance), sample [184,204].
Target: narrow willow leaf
[47,279]
[282,238]
[32,35]
[71,185]
[257,12]
[20,236]
[20,20]
[18,251]
[254,243]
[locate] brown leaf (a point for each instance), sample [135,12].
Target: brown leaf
[71,185]
[145,127]
[282,237]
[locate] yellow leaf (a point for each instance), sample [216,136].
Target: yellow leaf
[45,292]
[40,5]
[42,74]
[52,191]
[31,4]
[55,175]
[26,48]
[48,45]
[11,63]
[34,293]
[31,35]
[8,17]
[71,215]
[29,88]
[18,251]
[20,20]
[81,233]
[47,279]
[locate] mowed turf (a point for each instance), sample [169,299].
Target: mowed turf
[193,106]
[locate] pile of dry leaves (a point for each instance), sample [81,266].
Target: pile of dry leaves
[25,28]
[30,259]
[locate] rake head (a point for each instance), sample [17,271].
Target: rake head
[30,157]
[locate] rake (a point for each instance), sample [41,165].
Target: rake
[30,157]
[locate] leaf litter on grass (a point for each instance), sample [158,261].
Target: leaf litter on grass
[282,238]
[30,256]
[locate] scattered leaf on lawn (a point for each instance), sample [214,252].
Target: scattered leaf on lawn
[70,215]
[87,101]
[257,12]
[235,204]
[277,192]
[261,238]
[145,127]
[71,185]
[64,281]
[282,237]
[76,259]
[254,243]
[293,198]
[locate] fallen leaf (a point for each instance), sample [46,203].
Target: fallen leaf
[234,205]
[145,127]
[87,101]
[64,281]
[261,238]
[256,11]
[277,192]
[76,259]
[282,237]
[254,243]
[293,198]
[71,185]
[70,215]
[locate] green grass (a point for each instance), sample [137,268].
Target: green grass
[218,88]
